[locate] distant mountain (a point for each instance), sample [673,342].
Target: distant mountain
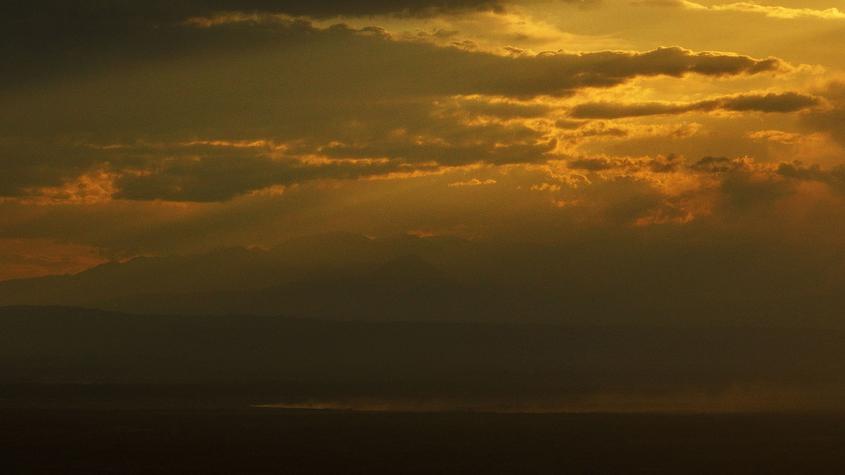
[350,277]
[408,270]
[232,268]
[405,288]
[324,257]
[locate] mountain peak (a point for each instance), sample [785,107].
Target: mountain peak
[408,268]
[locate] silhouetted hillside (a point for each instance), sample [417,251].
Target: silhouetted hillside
[350,277]
[406,288]
[521,362]
[330,257]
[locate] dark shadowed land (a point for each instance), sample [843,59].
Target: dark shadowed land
[425,365]
[86,391]
[255,441]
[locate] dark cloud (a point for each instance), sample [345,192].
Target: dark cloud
[352,66]
[719,165]
[219,169]
[446,137]
[559,74]
[161,11]
[376,7]
[567,124]
[593,164]
[27,164]
[772,102]
[831,120]
[339,92]
[612,110]
[219,178]
[666,164]
[199,172]
[88,22]
[503,110]
[42,38]
[449,154]
[833,177]
[743,194]
[41,45]
[660,164]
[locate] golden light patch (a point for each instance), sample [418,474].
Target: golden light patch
[772,11]
[472,182]
[88,189]
[28,257]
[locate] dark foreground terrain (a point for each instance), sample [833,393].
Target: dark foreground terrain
[148,441]
[91,392]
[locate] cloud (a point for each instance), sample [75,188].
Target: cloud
[778,136]
[45,38]
[771,11]
[720,164]
[334,94]
[220,178]
[158,12]
[770,103]
[144,133]
[773,102]
[23,258]
[834,177]
[473,182]
[593,164]
[630,165]
[745,193]
[830,120]
[478,106]
[739,202]
[48,57]
[28,164]
[42,38]
[559,74]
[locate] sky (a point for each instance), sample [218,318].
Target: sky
[159,128]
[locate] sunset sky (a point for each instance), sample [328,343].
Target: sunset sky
[159,128]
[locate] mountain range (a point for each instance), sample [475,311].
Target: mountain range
[352,277]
